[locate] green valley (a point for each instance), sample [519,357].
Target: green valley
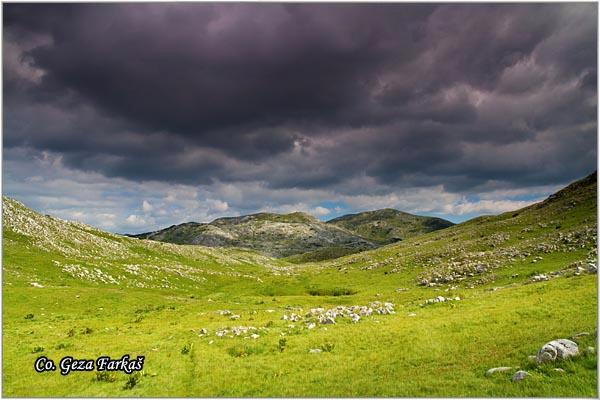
[424,316]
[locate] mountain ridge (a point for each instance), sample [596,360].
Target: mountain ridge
[305,236]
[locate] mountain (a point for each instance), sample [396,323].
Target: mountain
[277,235]
[388,225]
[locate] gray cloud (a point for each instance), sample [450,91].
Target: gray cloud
[307,96]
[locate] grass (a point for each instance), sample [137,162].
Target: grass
[158,309]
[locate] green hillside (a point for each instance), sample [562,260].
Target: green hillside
[227,322]
[389,225]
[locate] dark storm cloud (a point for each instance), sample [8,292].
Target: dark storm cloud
[306,95]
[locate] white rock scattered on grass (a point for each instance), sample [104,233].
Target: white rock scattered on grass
[558,349]
[520,375]
[540,278]
[224,312]
[270,311]
[559,370]
[254,336]
[592,268]
[37,285]
[312,325]
[412,314]
[580,334]
[326,320]
[315,351]
[492,371]
[234,317]
[211,342]
[532,358]
[203,332]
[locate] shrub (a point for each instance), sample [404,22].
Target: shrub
[186,348]
[105,376]
[29,316]
[327,347]
[132,380]
[282,344]
[37,349]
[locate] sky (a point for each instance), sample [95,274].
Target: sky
[132,117]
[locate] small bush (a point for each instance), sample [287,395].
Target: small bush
[71,333]
[186,348]
[282,344]
[29,316]
[139,318]
[132,380]
[327,347]
[37,349]
[105,376]
[86,331]
[61,346]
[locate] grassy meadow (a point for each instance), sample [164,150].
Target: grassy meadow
[522,279]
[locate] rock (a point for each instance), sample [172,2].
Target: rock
[520,375]
[254,336]
[326,320]
[580,334]
[315,351]
[311,325]
[492,371]
[234,317]
[559,370]
[412,314]
[35,284]
[540,278]
[558,349]
[203,332]
[592,269]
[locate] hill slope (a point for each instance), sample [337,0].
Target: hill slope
[388,225]
[272,234]
[233,323]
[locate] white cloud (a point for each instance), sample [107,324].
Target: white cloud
[135,221]
[146,207]
[320,211]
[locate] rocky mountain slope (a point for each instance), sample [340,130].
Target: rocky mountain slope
[388,225]
[272,234]
[301,236]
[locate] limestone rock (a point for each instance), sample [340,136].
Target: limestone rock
[520,375]
[558,349]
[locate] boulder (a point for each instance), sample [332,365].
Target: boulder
[492,371]
[520,375]
[558,349]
